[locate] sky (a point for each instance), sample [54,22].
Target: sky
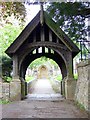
[31,10]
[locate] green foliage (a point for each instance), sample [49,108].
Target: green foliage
[7,9]
[81,106]
[29,78]
[59,77]
[8,79]
[41,61]
[4,102]
[75,76]
[72,21]
[70,16]
[6,68]
[37,62]
[53,63]
[8,34]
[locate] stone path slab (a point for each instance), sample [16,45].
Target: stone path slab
[42,109]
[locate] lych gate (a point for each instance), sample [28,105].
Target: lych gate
[42,32]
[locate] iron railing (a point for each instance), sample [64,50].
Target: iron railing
[84,46]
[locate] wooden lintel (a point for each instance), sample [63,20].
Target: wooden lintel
[46,44]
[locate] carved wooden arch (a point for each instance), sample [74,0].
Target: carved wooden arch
[30,58]
[30,47]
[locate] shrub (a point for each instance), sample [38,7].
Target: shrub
[6,68]
[59,77]
[75,76]
[29,78]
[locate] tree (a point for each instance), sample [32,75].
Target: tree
[8,34]
[71,17]
[12,16]
[6,66]
[11,9]
[43,60]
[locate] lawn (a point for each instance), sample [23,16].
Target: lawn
[29,78]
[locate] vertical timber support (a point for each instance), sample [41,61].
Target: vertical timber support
[15,67]
[34,36]
[42,34]
[23,83]
[15,85]
[70,83]
[50,35]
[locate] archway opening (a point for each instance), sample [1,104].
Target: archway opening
[44,78]
[39,52]
[47,53]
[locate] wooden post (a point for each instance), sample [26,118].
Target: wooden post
[34,36]
[15,84]
[69,65]
[15,67]
[42,34]
[50,35]
[41,14]
[37,51]
[57,40]
[49,50]
[43,50]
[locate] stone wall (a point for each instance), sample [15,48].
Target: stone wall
[4,91]
[10,91]
[83,84]
[0,88]
[30,86]
[56,85]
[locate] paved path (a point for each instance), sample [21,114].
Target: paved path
[43,86]
[42,109]
[49,108]
[43,91]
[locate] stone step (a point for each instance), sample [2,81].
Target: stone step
[56,96]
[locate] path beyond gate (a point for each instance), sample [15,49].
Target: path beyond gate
[43,90]
[42,32]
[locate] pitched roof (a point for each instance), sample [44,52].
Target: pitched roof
[32,25]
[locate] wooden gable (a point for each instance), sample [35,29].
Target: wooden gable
[34,27]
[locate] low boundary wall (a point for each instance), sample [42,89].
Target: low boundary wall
[82,94]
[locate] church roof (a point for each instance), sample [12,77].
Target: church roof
[32,25]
